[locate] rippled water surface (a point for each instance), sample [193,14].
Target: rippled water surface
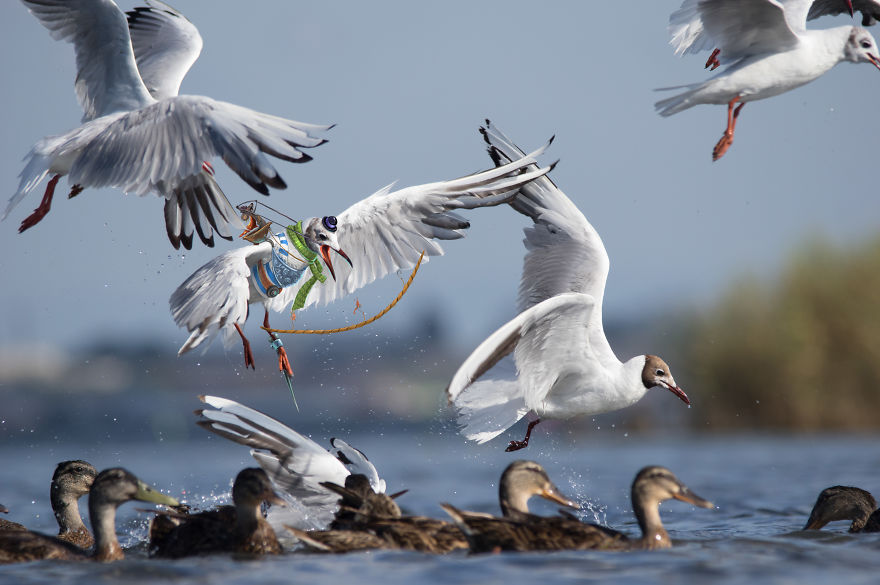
[763,487]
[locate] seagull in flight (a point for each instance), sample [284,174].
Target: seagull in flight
[138,135]
[769,50]
[565,366]
[383,233]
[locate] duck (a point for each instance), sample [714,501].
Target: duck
[383,233]
[70,481]
[519,482]
[770,51]
[565,366]
[139,135]
[300,468]
[652,485]
[110,489]
[845,503]
[240,528]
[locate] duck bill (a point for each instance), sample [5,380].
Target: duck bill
[814,524]
[686,495]
[396,495]
[678,392]
[147,494]
[325,254]
[553,495]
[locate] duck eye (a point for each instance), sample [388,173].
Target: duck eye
[329,222]
[659,372]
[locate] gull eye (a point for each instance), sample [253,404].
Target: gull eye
[322,236]
[329,222]
[659,372]
[866,44]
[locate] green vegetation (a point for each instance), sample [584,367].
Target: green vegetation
[802,353]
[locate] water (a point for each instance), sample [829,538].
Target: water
[763,487]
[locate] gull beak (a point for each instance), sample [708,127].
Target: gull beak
[325,254]
[677,391]
[686,495]
[147,494]
[552,493]
[874,60]
[851,11]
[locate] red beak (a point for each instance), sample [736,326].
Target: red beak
[874,60]
[848,3]
[325,254]
[678,392]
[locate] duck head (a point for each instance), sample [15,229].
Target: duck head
[524,479]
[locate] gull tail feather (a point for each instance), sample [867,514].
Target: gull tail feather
[488,408]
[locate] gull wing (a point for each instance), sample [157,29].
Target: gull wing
[107,78]
[739,27]
[564,252]
[388,230]
[165,46]
[216,295]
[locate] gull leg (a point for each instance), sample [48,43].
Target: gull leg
[712,62]
[41,211]
[246,347]
[283,362]
[517,445]
[727,137]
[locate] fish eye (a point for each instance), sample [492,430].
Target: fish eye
[329,222]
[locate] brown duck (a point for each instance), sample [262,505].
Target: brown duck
[526,532]
[71,481]
[519,482]
[240,528]
[845,503]
[111,488]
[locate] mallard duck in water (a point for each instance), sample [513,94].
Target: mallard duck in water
[845,503]
[526,532]
[238,529]
[519,482]
[71,481]
[111,488]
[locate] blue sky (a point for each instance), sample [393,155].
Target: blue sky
[407,84]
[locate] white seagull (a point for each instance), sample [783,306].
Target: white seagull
[687,35]
[382,233]
[138,135]
[565,366]
[296,465]
[769,49]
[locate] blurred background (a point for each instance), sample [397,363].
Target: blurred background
[755,277]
